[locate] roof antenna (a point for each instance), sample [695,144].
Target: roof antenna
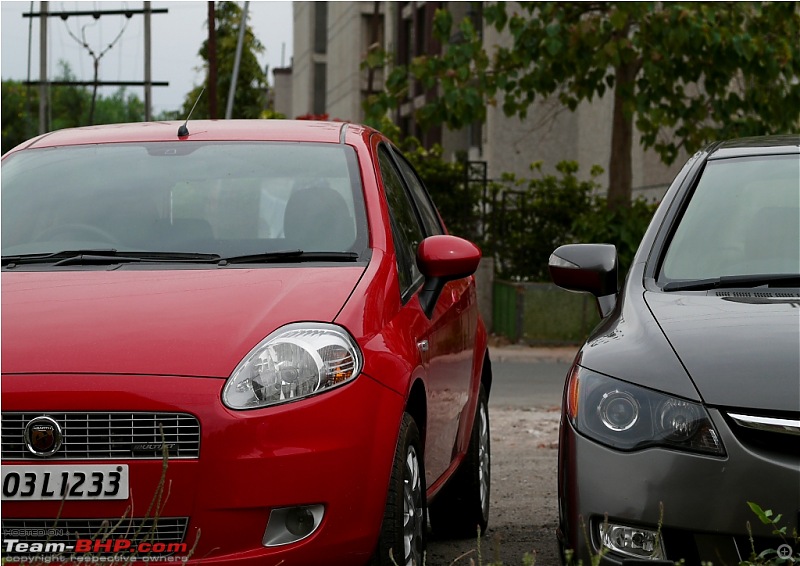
[183,131]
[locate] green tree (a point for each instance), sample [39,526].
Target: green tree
[458,202]
[69,107]
[533,216]
[684,73]
[251,86]
[120,107]
[18,120]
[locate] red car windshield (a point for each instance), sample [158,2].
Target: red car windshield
[225,198]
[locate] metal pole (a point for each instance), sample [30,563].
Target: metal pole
[236,61]
[213,104]
[148,77]
[43,69]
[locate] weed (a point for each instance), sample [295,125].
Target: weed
[785,554]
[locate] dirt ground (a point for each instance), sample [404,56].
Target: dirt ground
[523,513]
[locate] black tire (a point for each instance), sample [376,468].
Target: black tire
[405,518]
[461,509]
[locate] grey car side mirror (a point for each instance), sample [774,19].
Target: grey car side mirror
[591,268]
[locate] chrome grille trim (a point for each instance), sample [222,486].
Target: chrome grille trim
[167,529]
[107,436]
[767,424]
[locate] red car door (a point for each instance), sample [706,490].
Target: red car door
[443,340]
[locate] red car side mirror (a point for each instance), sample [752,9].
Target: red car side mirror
[442,259]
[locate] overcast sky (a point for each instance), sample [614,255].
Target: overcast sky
[177,36]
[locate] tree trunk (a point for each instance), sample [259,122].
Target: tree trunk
[620,175]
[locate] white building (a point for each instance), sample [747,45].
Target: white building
[331,39]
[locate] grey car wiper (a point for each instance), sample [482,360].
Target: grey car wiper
[104,257]
[732,281]
[290,256]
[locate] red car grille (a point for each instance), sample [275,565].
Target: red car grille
[107,436]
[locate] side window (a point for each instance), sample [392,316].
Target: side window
[406,230]
[430,218]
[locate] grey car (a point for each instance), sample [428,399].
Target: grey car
[683,406]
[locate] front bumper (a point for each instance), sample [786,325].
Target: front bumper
[704,499]
[334,449]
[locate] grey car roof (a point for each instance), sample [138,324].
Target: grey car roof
[763,145]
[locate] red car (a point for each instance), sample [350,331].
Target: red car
[270,311]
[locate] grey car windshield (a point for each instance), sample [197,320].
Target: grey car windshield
[742,220]
[225,198]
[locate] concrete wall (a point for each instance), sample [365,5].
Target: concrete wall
[542,314]
[349,36]
[344,60]
[282,91]
[302,59]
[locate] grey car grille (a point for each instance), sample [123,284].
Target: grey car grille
[768,424]
[167,529]
[107,436]
[775,434]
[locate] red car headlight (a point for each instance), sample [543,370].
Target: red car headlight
[295,361]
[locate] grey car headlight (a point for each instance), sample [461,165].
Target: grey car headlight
[295,361]
[629,417]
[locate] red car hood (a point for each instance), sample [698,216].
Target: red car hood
[161,322]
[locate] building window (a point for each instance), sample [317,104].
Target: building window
[420,33]
[320,86]
[372,30]
[320,27]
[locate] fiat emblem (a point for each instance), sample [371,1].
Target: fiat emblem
[43,436]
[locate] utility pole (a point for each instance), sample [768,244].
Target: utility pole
[43,69]
[212,63]
[236,61]
[148,79]
[44,85]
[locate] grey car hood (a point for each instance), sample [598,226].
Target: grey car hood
[740,349]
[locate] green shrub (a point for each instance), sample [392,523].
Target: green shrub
[522,220]
[623,227]
[458,202]
[532,217]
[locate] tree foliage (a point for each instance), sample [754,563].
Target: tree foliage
[251,85]
[684,73]
[69,108]
[522,220]
[459,202]
[532,216]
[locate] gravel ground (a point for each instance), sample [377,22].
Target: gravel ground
[523,512]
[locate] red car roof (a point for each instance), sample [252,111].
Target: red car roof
[199,130]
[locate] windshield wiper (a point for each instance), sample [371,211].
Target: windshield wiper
[52,257]
[290,256]
[732,281]
[104,257]
[112,256]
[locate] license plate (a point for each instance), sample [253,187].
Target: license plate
[89,482]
